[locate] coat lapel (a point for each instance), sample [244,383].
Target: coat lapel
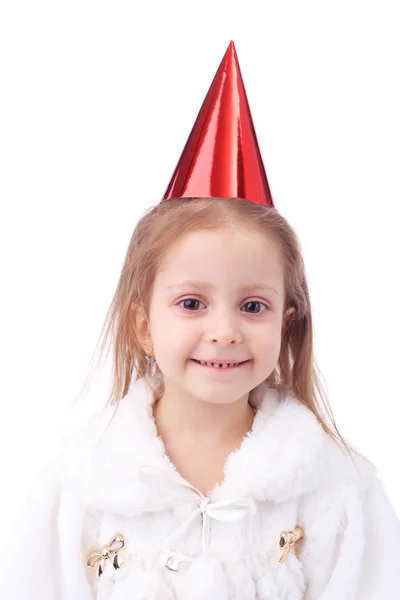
[279,459]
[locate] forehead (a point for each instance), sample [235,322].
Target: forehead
[233,258]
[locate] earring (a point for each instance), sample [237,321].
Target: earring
[150,357]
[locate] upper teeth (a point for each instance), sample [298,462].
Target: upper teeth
[202,362]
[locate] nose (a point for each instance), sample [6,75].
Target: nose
[224,328]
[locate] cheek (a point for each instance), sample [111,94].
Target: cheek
[171,346]
[268,336]
[269,344]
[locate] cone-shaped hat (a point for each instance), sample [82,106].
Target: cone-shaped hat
[221,157]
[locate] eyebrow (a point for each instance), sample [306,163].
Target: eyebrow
[209,286]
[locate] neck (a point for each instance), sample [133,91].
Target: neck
[177,415]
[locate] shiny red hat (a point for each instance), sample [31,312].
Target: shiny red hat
[221,157]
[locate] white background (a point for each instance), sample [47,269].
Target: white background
[97,100]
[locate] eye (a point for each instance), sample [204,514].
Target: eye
[252,302]
[189,300]
[259,303]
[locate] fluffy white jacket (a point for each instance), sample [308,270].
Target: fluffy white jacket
[113,485]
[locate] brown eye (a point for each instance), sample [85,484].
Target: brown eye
[189,300]
[187,303]
[255,302]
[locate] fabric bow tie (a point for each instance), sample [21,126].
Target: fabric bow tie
[166,482]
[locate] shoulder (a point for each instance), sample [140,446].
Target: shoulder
[345,483]
[349,468]
[110,429]
[337,465]
[90,440]
[101,458]
[337,470]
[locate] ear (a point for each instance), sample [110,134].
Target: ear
[287,319]
[142,330]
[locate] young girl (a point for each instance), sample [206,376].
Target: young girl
[216,471]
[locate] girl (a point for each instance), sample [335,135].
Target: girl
[215,472]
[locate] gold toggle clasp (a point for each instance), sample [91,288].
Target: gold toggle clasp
[287,541]
[96,559]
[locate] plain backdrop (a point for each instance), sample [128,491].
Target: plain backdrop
[97,100]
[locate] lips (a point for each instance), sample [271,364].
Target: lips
[223,368]
[217,362]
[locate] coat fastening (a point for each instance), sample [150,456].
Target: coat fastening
[294,518]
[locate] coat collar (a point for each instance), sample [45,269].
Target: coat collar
[279,459]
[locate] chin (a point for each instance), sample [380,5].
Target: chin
[216,398]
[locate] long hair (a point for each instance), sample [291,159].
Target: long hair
[162,226]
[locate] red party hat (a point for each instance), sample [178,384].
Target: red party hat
[221,157]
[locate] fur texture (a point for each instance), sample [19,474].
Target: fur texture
[113,476]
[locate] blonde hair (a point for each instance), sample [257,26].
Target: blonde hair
[161,227]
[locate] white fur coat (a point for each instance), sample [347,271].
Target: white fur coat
[114,479]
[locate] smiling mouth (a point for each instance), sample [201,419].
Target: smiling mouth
[220,367]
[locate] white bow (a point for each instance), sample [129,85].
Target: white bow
[230,511]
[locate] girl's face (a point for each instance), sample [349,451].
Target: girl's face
[208,304]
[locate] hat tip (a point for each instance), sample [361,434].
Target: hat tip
[231,50]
